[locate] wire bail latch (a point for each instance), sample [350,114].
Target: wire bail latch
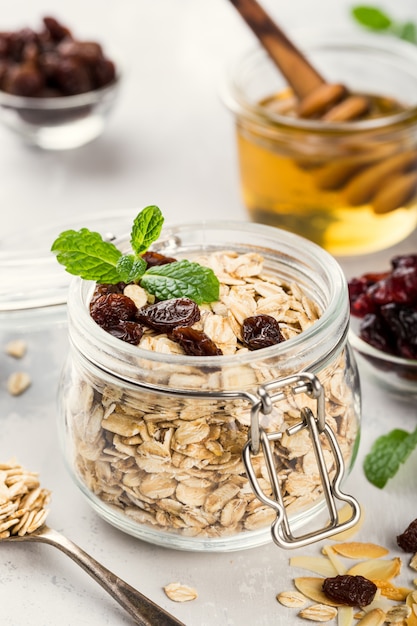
[261,441]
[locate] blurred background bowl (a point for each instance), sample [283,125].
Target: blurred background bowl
[391,372]
[62,122]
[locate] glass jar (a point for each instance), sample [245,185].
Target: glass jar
[350,187]
[170,448]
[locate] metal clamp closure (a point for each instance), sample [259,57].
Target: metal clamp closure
[296,384]
[260,441]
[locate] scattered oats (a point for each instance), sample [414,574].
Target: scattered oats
[22,501]
[180,593]
[413,562]
[319,613]
[397,614]
[16,348]
[18,382]
[292,599]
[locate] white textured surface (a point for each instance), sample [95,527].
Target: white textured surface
[170,142]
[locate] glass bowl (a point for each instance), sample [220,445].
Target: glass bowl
[392,372]
[59,123]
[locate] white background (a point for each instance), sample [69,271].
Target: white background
[169,142]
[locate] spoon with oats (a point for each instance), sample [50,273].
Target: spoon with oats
[22,518]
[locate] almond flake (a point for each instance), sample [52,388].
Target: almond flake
[344,514]
[376,617]
[359,550]
[316,564]
[345,616]
[319,613]
[292,599]
[336,562]
[391,591]
[413,562]
[377,568]
[312,588]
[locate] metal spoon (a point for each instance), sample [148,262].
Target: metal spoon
[142,609]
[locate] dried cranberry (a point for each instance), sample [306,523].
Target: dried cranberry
[130,332]
[168,314]
[111,308]
[404,260]
[350,590]
[407,541]
[402,321]
[374,331]
[195,342]
[400,286]
[155,258]
[261,331]
[387,302]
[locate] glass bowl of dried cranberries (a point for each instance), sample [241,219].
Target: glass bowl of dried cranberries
[56,91]
[383,328]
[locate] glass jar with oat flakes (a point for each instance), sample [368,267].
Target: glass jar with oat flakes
[215,452]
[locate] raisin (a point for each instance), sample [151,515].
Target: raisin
[195,342]
[350,590]
[155,258]
[72,77]
[111,308]
[102,289]
[23,80]
[407,541]
[130,332]
[261,331]
[55,30]
[168,314]
[51,62]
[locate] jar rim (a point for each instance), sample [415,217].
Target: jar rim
[236,101]
[334,318]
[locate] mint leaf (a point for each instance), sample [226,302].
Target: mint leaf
[130,268]
[408,32]
[372,17]
[146,228]
[182,279]
[85,253]
[387,454]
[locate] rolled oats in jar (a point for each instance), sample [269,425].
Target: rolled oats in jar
[171,448]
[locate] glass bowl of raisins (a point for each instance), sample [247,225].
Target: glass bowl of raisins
[383,327]
[56,91]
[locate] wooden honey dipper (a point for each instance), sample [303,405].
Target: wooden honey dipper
[390,180]
[317,98]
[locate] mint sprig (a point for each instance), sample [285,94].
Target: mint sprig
[84,253]
[375,19]
[387,454]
